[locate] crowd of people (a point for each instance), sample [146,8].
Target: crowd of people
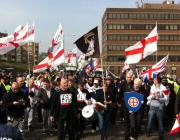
[58,100]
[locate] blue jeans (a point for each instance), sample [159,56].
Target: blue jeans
[100,118]
[159,114]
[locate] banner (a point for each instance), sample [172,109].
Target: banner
[89,44]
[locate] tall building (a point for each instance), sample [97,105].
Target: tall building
[20,54]
[123,27]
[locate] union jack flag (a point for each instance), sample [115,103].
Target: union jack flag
[155,69]
[89,67]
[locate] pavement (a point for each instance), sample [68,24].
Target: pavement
[115,132]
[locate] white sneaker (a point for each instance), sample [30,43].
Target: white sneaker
[131,138]
[93,131]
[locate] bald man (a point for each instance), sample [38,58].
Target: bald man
[64,110]
[126,86]
[16,103]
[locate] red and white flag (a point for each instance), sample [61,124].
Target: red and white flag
[57,36]
[5,46]
[57,59]
[71,57]
[57,39]
[142,48]
[176,126]
[125,66]
[54,58]
[13,41]
[20,36]
[31,34]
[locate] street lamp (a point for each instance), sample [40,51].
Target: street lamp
[174,71]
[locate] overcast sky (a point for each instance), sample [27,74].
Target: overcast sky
[76,16]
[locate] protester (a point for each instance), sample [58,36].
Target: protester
[157,99]
[44,99]
[16,103]
[64,110]
[126,86]
[177,104]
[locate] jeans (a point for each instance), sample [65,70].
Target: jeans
[100,118]
[159,114]
[47,125]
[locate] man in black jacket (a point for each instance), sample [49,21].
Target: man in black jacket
[3,116]
[64,110]
[126,86]
[45,95]
[16,102]
[177,104]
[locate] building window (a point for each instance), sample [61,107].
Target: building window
[110,15]
[114,15]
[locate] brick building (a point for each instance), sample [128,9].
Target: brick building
[123,27]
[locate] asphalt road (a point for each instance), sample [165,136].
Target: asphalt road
[115,132]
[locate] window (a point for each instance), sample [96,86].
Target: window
[110,15]
[114,15]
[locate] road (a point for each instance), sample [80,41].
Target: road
[115,132]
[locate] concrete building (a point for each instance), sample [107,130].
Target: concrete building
[123,27]
[20,54]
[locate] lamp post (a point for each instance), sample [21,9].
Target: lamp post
[174,71]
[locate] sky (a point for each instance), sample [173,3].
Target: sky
[76,16]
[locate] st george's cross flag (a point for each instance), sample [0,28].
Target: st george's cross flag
[71,57]
[54,58]
[48,63]
[11,42]
[31,34]
[154,70]
[57,36]
[176,126]
[142,48]
[125,66]
[56,42]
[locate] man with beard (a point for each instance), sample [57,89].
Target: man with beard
[64,110]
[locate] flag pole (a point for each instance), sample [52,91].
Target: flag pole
[28,59]
[157,49]
[103,77]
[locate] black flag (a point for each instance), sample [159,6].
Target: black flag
[89,44]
